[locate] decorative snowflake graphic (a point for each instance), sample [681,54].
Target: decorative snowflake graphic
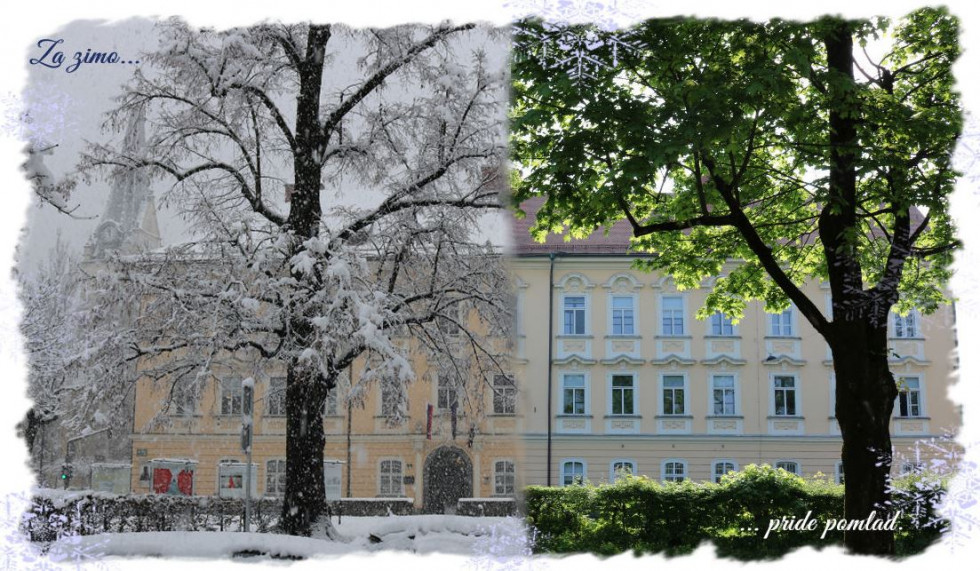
[966,160]
[40,116]
[19,552]
[609,15]
[581,51]
[959,502]
[580,38]
[506,546]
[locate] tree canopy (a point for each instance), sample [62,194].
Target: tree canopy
[703,126]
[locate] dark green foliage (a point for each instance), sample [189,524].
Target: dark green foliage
[645,516]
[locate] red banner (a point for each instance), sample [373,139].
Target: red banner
[428,422]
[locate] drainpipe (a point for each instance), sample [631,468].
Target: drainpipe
[551,341]
[350,376]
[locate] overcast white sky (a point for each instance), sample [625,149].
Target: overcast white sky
[24,23]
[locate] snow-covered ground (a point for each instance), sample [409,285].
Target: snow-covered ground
[500,539]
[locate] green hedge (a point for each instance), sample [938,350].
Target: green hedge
[646,516]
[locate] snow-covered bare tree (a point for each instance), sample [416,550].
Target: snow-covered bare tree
[73,342]
[334,180]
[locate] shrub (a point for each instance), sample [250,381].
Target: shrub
[641,515]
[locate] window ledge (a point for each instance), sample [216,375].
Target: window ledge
[672,337]
[679,416]
[573,336]
[634,416]
[906,338]
[736,337]
[625,337]
[573,416]
[732,416]
[784,417]
[912,418]
[792,337]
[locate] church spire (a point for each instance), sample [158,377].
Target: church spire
[129,223]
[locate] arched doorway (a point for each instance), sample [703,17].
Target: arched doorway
[448,476]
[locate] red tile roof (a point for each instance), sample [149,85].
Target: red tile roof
[617,241]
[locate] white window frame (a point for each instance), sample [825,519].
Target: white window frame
[447,387]
[278,476]
[715,476]
[614,472]
[274,395]
[665,477]
[899,325]
[920,396]
[799,467]
[331,405]
[797,400]
[736,408]
[685,388]
[778,328]
[613,390]
[585,309]
[612,315]
[184,402]
[383,411]
[723,322]
[585,395]
[232,385]
[505,395]
[563,467]
[505,478]
[663,314]
[390,478]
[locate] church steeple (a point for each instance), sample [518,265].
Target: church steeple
[129,222]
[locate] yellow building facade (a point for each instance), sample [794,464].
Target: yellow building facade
[194,447]
[620,375]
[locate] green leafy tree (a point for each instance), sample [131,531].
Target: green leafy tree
[787,146]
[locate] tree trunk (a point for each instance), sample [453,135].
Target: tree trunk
[304,499]
[865,398]
[305,388]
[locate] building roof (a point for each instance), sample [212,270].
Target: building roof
[616,241]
